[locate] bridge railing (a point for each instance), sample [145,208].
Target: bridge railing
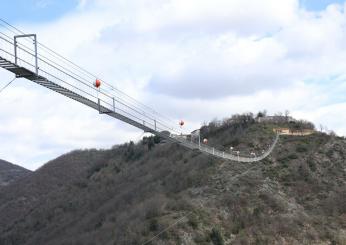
[55,69]
[66,74]
[221,154]
[6,48]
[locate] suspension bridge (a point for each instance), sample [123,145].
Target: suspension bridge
[27,58]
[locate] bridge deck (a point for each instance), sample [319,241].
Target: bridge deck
[22,72]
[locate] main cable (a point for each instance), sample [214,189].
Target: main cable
[86,72]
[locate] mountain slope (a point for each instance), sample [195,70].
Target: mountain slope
[10,172]
[129,194]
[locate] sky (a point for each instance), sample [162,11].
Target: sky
[194,60]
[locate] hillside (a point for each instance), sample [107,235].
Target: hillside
[133,192]
[10,173]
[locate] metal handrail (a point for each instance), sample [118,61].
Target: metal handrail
[63,80]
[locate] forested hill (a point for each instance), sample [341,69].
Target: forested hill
[10,172]
[155,192]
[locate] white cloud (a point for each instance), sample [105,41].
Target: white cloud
[331,117]
[192,60]
[219,15]
[37,125]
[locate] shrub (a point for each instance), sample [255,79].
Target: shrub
[311,164]
[238,224]
[157,139]
[193,221]
[216,237]
[153,225]
[301,148]
[292,156]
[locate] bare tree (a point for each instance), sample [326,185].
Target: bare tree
[321,128]
[287,114]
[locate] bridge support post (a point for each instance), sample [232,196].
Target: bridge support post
[15,51]
[155,124]
[35,50]
[99,104]
[113,104]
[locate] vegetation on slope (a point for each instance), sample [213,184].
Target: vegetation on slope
[133,192]
[10,173]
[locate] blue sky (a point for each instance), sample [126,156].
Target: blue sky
[35,10]
[317,5]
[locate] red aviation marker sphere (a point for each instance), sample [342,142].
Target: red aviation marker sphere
[205,141]
[97,83]
[181,123]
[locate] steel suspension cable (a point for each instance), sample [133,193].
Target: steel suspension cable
[85,71]
[122,102]
[25,49]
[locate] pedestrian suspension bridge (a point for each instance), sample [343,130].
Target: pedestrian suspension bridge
[27,58]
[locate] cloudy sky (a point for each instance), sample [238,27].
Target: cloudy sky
[194,60]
